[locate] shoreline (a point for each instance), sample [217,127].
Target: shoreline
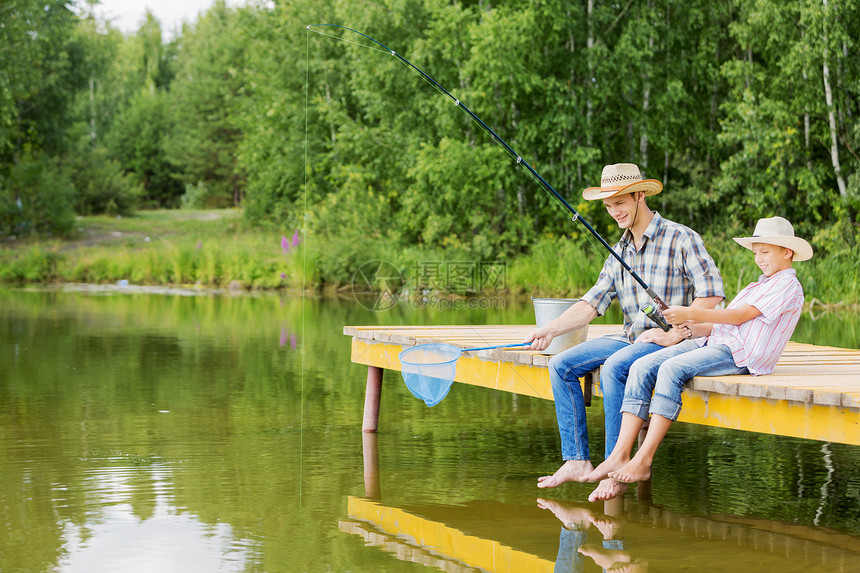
[124,287]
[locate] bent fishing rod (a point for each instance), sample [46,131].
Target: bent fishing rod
[520,161]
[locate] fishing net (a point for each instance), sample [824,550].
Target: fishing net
[428,370]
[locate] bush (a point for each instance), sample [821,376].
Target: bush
[101,185]
[36,199]
[195,196]
[557,266]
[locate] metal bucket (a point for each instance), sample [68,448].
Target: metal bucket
[548,309]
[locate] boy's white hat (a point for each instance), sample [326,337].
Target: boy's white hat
[619,179]
[777,231]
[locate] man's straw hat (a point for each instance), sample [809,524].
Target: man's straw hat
[622,178]
[777,231]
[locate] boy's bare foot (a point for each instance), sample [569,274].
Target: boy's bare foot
[610,527]
[602,471]
[572,470]
[607,559]
[632,471]
[607,489]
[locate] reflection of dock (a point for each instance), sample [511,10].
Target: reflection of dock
[412,537]
[431,535]
[812,545]
[814,392]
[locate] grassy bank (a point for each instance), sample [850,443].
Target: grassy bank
[178,247]
[216,249]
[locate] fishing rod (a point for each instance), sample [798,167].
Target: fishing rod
[520,161]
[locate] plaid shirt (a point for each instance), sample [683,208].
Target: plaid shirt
[672,260]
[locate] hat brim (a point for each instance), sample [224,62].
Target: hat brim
[648,186]
[802,249]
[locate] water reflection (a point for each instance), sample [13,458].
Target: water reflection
[134,427]
[115,537]
[630,533]
[629,536]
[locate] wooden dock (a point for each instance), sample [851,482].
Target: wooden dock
[814,392]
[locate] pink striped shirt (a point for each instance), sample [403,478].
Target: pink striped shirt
[758,343]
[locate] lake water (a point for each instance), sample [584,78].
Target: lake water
[162,432]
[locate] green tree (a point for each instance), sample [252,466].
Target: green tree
[272,151]
[208,94]
[44,65]
[36,197]
[138,140]
[785,147]
[42,70]
[101,183]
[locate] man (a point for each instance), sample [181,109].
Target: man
[672,260]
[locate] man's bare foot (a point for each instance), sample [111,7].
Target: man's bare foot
[568,513]
[607,489]
[632,471]
[602,471]
[572,470]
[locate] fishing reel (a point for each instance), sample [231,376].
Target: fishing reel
[652,312]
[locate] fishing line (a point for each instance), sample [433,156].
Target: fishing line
[653,314]
[519,160]
[304,277]
[442,91]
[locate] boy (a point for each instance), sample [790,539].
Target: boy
[747,337]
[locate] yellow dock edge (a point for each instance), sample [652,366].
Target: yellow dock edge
[763,415]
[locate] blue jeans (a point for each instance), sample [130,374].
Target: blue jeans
[665,372]
[569,559]
[616,354]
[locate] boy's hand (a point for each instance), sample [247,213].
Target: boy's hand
[677,314]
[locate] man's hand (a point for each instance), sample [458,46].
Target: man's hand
[540,338]
[658,336]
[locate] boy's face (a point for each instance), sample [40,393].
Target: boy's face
[771,258]
[622,208]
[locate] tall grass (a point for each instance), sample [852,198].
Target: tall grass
[161,248]
[217,250]
[32,264]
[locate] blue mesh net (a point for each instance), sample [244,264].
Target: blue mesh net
[428,370]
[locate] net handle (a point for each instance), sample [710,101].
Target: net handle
[497,346]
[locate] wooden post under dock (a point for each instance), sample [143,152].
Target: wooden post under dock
[814,392]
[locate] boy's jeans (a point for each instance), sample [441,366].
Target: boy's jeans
[616,354]
[665,372]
